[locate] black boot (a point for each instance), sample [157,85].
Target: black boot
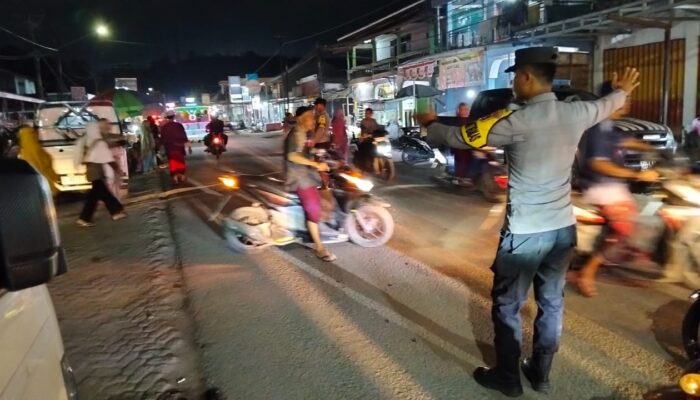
[536,370]
[495,379]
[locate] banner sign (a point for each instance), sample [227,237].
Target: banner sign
[461,70]
[418,72]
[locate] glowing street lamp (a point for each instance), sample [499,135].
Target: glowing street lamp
[102,30]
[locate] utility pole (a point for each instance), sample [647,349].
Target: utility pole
[32,26]
[319,52]
[61,84]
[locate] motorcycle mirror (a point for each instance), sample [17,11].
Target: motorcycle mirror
[30,245]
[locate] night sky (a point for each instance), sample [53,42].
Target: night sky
[203,26]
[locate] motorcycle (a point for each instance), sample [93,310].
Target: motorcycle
[277,218]
[417,151]
[668,204]
[490,177]
[216,145]
[381,161]
[688,386]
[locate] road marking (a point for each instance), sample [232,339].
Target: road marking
[382,310]
[494,217]
[406,186]
[220,208]
[205,188]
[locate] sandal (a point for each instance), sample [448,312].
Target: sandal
[586,287]
[327,256]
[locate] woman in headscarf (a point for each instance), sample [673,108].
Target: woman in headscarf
[340,134]
[31,151]
[94,152]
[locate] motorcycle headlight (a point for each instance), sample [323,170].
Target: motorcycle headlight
[384,149]
[362,184]
[690,383]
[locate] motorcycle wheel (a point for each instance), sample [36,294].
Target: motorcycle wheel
[241,243]
[388,170]
[382,226]
[411,156]
[691,326]
[489,188]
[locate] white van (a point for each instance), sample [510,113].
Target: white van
[32,361]
[60,124]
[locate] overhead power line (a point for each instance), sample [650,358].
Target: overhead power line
[18,36]
[323,32]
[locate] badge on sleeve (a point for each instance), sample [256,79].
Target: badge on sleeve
[476,133]
[322,123]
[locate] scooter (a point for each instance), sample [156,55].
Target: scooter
[382,160]
[489,176]
[418,151]
[276,218]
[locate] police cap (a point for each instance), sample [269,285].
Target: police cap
[534,55]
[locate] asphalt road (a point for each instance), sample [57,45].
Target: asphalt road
[410,320]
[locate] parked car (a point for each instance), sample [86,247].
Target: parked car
[61,124]
[33,364]
[659,136]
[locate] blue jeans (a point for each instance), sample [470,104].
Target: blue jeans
[541,259]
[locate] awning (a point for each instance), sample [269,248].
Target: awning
[642,13]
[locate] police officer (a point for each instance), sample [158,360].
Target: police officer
[539,235]
[321,137]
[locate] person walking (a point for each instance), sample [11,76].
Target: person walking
[340,134]
[539,233]
[175,141]
[462,157]
[31,151]
[117,144]
[94,152]
[148,148]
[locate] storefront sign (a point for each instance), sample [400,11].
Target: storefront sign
[423,71]
[461,70]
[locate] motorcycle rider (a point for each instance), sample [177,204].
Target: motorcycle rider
[215,127]
[302,176]
[539,233]
[365,145]
[604,179]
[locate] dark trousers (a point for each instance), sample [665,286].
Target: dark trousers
[522,260]
[99,192]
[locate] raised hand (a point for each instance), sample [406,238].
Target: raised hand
[629,80]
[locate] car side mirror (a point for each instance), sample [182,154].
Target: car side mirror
[30,245]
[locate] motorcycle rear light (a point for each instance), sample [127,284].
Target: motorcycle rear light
[502,181]
[217,140]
